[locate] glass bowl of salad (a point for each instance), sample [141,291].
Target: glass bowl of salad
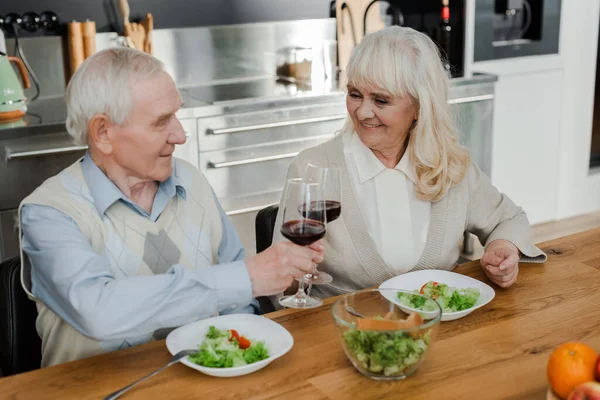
[381,340]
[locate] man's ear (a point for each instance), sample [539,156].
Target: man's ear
[98,133]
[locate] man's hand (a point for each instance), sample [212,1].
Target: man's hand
[274,270]
[500,262]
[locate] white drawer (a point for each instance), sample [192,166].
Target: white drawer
[251,171]
[268,126]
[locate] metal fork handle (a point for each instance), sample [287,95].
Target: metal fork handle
[119,392]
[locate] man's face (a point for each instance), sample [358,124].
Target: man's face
[144,145]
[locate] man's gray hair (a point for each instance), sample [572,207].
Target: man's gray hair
[104,84]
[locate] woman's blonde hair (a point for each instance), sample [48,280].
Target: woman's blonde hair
[403,61]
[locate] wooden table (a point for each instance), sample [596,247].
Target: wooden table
[499,351]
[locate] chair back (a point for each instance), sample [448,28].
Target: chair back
[20,345]
[264,226]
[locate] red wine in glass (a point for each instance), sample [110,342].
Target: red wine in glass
[303,232]
[314,210]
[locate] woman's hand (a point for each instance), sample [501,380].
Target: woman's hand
[500,262]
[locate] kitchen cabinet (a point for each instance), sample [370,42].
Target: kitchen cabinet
[526,141]
[474,121]
[245,154]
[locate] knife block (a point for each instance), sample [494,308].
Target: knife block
[350,27]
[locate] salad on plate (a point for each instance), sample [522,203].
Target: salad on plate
[451,299]
[227,349]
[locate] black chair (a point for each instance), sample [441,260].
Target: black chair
[20,345]
[264,225]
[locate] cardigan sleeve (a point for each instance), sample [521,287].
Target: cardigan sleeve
[492,215]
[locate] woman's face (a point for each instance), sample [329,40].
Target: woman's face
[381,121]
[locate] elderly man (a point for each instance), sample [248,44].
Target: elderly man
[128,241]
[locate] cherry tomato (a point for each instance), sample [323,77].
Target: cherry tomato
[234,335]
[422,290]
[243,342]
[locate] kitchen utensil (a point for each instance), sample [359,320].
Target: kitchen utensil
[148,25]
[137,33]
[88,29]
[352,311]
[353,14]
[130,30]
[13,104]
[75,44]
[174,360]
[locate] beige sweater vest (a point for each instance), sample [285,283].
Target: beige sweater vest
[193,225]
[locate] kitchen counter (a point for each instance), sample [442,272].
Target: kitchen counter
[202,100]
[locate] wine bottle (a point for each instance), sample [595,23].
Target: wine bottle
[444,38]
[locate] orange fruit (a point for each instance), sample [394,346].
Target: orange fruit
[569,365]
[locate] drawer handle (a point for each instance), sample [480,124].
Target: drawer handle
[248,209]
[213,165]
[471,99]
[35,153]
[237,129]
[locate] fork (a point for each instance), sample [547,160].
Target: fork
[135,34]
[174,360]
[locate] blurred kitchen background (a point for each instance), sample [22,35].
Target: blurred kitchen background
[263,79]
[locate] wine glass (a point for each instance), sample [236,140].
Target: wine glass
[332,187]
[303,227]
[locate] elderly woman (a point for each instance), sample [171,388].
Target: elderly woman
[128,242]
[409,189]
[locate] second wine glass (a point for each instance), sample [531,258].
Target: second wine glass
[331,180]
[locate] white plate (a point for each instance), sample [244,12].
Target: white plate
[414,280]
[276,338]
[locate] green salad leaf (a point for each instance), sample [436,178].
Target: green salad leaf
[384,352]
[449,298]
[220,349]
[255,353]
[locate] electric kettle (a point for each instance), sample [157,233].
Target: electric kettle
[13,103]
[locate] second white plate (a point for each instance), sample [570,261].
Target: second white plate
[412,281]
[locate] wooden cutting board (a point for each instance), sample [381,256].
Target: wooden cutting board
[352,16]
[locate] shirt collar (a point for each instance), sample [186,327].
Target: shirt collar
[369,166]
[105,193]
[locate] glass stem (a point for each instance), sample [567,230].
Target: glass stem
[315,273]
[300,294]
